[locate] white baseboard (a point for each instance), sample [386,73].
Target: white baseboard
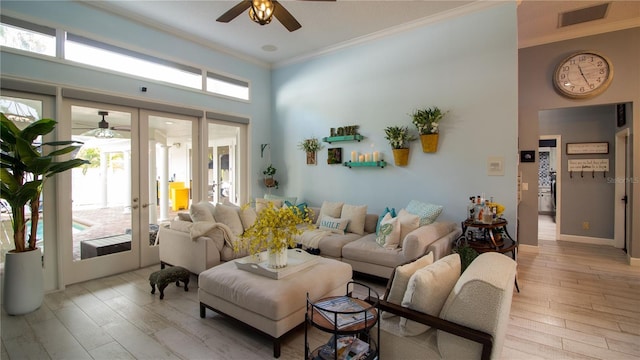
[587,240]
[528,248]
[633,261]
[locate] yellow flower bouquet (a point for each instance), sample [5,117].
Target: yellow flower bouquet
[499,208]
[274,229]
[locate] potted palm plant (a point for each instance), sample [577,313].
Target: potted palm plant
[23,172]
[427,121]
[399,138]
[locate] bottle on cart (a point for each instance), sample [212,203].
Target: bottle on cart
[471,208]
[478,209]
[487,215]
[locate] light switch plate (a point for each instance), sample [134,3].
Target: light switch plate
[525,186]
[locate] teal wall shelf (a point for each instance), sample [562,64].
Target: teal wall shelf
[342,138]
[380,164]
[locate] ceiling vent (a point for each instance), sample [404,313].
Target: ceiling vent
[583,15]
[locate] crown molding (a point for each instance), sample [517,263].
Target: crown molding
[583,31]
[432,19]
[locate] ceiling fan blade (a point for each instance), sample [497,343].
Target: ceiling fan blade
[234,11]
[285,17]
[121,128]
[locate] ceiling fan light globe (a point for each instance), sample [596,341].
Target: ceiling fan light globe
[261,11]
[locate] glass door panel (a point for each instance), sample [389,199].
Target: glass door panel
[222,172]
[170,176]
[105,196]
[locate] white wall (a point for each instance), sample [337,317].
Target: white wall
[466,65]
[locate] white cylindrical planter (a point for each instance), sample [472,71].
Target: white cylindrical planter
[278,258]
[23,282]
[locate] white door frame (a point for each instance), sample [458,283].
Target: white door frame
[622,187]
[558,139]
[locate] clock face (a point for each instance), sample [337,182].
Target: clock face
[583,75]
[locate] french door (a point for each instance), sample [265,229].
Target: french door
[139,175]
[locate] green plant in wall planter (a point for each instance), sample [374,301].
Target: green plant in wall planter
[269,181]
[399,138]
[311,147]
[427,122]
[24,169]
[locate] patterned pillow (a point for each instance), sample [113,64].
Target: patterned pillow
[389,235]
[334,225]
[386,211]
[428,213]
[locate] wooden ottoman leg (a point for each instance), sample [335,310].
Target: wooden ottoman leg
[276,348]
[203,311]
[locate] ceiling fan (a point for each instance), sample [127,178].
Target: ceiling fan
[262,11]
[103,130]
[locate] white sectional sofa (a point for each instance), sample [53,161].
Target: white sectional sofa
[186,243]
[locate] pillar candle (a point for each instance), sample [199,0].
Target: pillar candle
[354,156]
[376,156]
[361,158]
[367,157]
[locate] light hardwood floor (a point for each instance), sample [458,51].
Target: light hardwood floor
[576,302]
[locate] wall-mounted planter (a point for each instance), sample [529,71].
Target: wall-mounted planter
[429,143]
[401,157]
[311,158]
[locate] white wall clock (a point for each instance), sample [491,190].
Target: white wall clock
[583,75]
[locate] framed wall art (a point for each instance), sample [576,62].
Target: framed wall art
[588,148]
[334,156]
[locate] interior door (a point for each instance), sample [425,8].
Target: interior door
[102,216]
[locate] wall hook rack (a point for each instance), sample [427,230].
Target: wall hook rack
[262,148]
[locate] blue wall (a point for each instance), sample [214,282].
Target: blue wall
[466,65]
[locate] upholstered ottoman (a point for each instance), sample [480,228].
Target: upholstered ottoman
[271,306]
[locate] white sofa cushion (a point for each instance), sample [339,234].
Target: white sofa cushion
[427,291]
[248,216]
[408,223]
[264,203]
[356,215]
[229,216]
[403,274]
[291,199]
[332,209]
[202,211]
[388,236]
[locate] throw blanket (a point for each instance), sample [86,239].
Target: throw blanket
[311,238]
[201,228]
